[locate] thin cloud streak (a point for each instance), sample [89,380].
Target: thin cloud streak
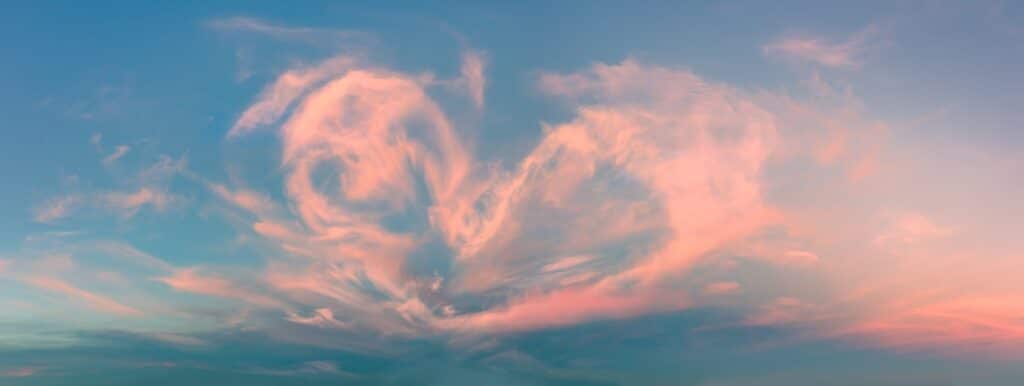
[823,52]
[95,300]
[307,35]
[55,209]
[129,203]
[21,372]
[119,152]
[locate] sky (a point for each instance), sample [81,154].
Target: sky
[706,193]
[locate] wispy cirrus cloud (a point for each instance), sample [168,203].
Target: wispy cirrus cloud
[722,287]
[20,372]
[257,32]
[682,166]
[482,213]
[129,203]
[309,35]
[124,203]
[471,76]
[146,188]
[307,368]
[908,227]
[661,192]
[96,300]
[118,152]
[846,53]
[188,280]
[56,208]
[277,97]
[88,281]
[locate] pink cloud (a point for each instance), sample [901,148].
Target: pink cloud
[695,147]
[177,339]
[782,311]
[472,76]
[308,35]
[130,203]
[119,152]
[20,372]
[658,175]
[561,308]
[663,128]
[249,200]
[722,287]
[784,252]
[905,283]
[988,323]
[799,257]
[322,317]
[565,263]
[695,162]
[359,123]
[56,209]
[133,255]
[188,280]
[95,300]
[908,228]
[276,98]
[845,54]
[668,133]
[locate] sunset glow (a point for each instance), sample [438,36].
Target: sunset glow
[706,193]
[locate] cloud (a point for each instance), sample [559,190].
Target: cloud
[800,257]
[251,201]
[782,311]
[657,124]
[989,324]
[277,97]
[261,43]
[97,301]
[908,228]
[132,255]
[277,31]
[566,263]
[647,124]
[307,368]
[146,187]
[322,317]
[472,78]
[722,287]
[388,224]
[20,372]
[161,171]
[560,308]
[129,203]
[189,280]
[125,203]
[359,123]
[687,158]
[56,209]
[119,152]
[177,339]
[821,51]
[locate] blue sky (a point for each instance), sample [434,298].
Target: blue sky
[601,193]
